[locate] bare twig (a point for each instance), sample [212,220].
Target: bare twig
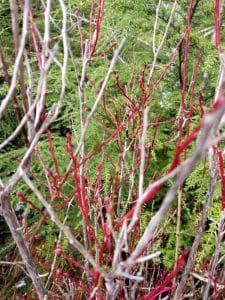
[141,174]
[9,95]
[156,50]
[29,113]
[98,99]
[200,230]
[65,229]
[14,226]
[209,127]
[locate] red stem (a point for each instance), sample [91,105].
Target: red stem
[163,287]
[221,173]
[32,29]
[217,25]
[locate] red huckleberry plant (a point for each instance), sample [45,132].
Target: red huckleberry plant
[112,177]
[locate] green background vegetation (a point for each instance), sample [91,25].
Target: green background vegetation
[134,20]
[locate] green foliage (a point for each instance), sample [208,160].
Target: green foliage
[135,20]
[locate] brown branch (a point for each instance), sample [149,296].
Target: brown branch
[17,45]
[14,226]
[7,78]
[201,226]
[18,60]
[209,127]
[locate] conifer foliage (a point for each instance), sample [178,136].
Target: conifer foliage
[112,181]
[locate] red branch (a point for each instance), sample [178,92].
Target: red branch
[184,73]
[80,189]
[221,173]
[22,198]
[120,127]
[217,25]
[156,125]
[176,161]
[52,153]
[94,37]
[163,287]
[80,33]
[192,92]
[122,89]
[71,261]
[200,99]
[32,29]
